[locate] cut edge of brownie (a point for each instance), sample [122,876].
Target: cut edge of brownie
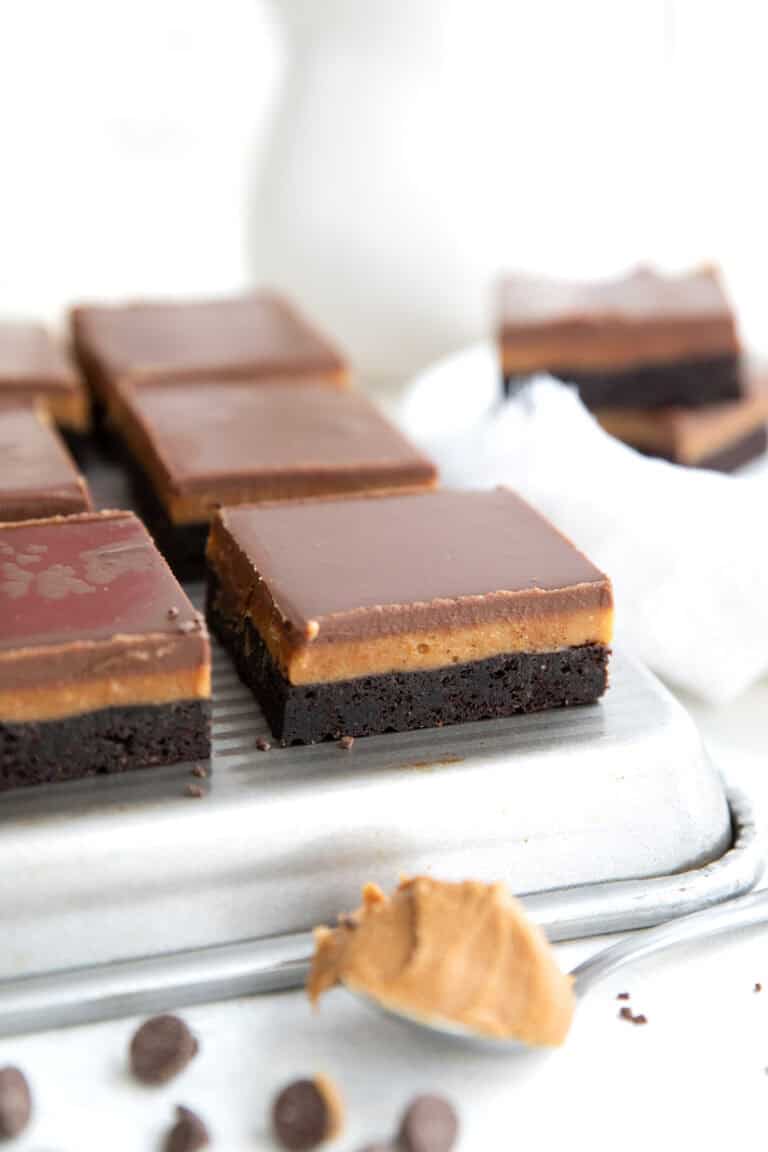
[104,742]
[492,688]
[684,384]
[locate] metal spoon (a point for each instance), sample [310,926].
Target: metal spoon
[125,988]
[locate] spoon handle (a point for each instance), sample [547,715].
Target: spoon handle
[743,912]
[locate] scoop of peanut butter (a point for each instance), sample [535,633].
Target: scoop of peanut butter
[464,953]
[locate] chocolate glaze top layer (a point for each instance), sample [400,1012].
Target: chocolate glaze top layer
[35,467]
[643,317]
[373,566]
[253,335]
[228,430]
[30,357]
[89,578]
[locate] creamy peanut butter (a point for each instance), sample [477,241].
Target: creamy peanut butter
[462,953]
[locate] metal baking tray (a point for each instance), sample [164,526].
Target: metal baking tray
[611,802]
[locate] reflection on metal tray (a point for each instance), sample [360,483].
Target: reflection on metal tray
[116,868]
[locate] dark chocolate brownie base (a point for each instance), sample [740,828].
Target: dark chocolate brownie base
[686,384]
[183,545]
[481,690]
[112,740]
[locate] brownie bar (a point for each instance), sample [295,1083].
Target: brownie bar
[401,701]
[37,476]
[35,367]
[685,384]
[394,612]
[644,340]
[192,448]
[104,742]
[104,663]
[250,337]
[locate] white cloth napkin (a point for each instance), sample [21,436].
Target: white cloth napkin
[687,550]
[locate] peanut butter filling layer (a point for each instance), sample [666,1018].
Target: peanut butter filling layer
[315,662]
[460,953]
[56,702]
[579,350]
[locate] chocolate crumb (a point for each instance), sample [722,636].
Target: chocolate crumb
[189,1133]
[263,745]
[430,1124]
[194,791]
[346,742]
[623,996]
[15,1103]
[758,988]
[200,771]
[625,1013]
[172,613]
[640,1019]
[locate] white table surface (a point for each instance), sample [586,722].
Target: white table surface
[695,1076]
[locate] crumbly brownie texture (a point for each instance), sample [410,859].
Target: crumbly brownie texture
[387,613]
[689,384]
[37,476]
[34,366]
[104,663]
[643,341]
[246,337]
[195,447]
[401,701]
[102,743]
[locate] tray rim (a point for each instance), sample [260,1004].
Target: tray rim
[143,984]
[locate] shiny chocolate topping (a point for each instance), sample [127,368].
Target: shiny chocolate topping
[254,335]
[34,464]
[368,566]
[222,430]
[85,578]
[30,356]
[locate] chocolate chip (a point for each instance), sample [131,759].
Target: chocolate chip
[160,1049]
[758,988]
[15,1103]
[263,745]
[194,791]
[306,1113]
[200,771]
[623,996]
[172,613]
[188,1134]
[625,1013]
[346,742]
[430,1124]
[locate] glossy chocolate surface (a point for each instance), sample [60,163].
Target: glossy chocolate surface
[209,431]
[370,566]
[83,579]
[254,335]
[37,474]
[642,317]
[31,358]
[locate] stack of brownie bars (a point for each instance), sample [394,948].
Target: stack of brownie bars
[657,359]
[354,598]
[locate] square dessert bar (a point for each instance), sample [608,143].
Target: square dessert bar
[386,613]
[723,437]
[644,341]
[34,366]
[104,663]
[37,475]
[244,337]
[199,446]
